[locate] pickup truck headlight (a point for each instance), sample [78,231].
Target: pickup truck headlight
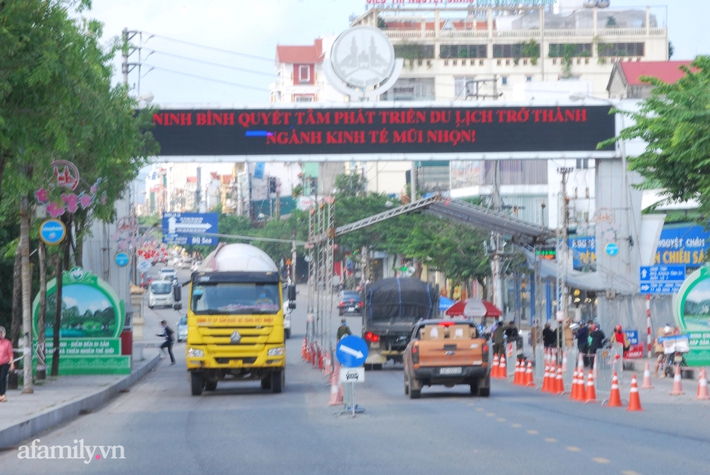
[195,353]
[276,351]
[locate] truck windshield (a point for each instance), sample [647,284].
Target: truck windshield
[161,288]
[235,299]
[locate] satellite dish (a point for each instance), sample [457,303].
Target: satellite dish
[603,3]
[591,3]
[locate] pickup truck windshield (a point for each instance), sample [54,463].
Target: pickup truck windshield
[235,299]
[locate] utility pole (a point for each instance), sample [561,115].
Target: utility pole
[27,387]
[497,264]
[561,253]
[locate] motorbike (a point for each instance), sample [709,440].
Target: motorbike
[671,360]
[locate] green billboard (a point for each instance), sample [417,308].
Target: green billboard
[691,309]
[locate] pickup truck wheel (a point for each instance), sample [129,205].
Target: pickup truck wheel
[484,392]
[474,387]
[414,393]
[368,367]
[377,367]
[277,381]
[266,383]
[210,385]
[197,383]
[406,384]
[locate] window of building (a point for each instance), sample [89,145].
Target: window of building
[582,164]
[518,50]
[621,49]
[303,98]
[504,80]
[304,73]
[516,172]
[528,78]
[571,50]
[414,51]
[463,51]
[411,89]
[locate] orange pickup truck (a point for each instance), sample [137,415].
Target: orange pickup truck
[446,352]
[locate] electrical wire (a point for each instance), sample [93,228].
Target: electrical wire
[236,53]
[205,78]
[252,71]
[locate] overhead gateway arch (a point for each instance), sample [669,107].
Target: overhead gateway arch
[376,132]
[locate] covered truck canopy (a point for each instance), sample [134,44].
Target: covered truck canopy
[401,299]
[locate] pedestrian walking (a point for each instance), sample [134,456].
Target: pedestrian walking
[169,335]
[596,341]
[7,363]
[549,337]
[499,339]
[659,349]
[569,334]
[343,330]
[582,335]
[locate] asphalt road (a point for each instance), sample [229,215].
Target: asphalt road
[240,429]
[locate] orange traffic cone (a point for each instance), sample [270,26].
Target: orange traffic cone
[502,370]
[702,387]
[559,382]
[546,379]
[529,380]
[591,395]
[573,389]
[327,369]
[634,399]
[615,396]
[677,386]
[320,358]
[494,370]
[647,384]
[336,390]
[520,365]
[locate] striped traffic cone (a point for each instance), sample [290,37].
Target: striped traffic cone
[502,370]
[591,395]
[634,398]
[702,387]
[336,390]
[564,361]
[647,384]
[614,396]
[529,380]
[677,385]
[546,379]
[559,382]
[494,369]
[574,392]
[304,350]
[516,376]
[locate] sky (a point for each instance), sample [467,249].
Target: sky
[250,30]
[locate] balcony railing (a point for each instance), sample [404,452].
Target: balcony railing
[524,34]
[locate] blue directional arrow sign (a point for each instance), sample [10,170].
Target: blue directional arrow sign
[351,351]
[190,228]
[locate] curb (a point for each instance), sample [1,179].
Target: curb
[24,430]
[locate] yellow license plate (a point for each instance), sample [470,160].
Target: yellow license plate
[236,363]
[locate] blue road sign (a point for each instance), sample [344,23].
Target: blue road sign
[612,249]
[351,351]
[189,228]
[52,231]
[664,287]
[662,273]
[121,259]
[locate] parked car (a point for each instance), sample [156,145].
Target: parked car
[168,273]
[349,303]
[182,329]
[446,352]
[160,294]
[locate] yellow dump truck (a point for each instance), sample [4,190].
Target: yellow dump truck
[235,319]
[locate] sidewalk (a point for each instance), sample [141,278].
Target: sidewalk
[61,400]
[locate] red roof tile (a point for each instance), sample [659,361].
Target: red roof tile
[192,179]
[666,71]
[301,54]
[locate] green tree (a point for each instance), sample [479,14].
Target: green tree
[675,123]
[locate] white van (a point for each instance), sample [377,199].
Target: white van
[160,294]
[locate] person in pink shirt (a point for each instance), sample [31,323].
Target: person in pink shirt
[6,363]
